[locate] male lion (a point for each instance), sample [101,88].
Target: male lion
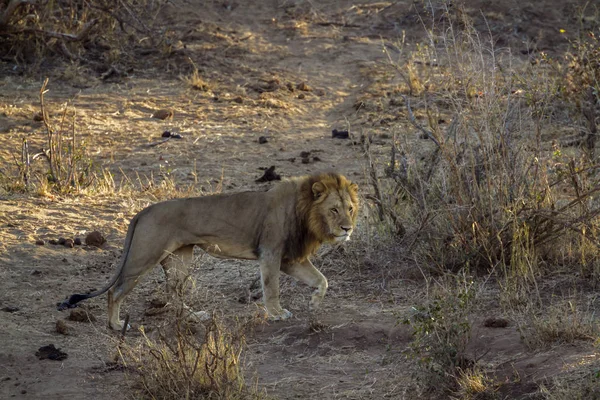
[281,228]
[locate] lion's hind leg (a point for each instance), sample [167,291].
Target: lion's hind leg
[306,272]
[176,267]
[137,264]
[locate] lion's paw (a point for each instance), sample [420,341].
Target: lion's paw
[282,315]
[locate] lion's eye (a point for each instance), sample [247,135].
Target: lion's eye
[334,210]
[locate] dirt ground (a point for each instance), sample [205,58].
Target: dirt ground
[247,53]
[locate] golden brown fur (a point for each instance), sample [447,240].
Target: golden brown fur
[281,228]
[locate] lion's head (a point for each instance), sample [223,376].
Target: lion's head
[333,207]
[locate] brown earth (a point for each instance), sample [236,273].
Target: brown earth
[249,54]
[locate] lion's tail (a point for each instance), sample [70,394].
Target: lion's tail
[76,298]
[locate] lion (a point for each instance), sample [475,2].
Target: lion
[281,228]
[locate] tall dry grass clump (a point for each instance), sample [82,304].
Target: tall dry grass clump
[503,185]
[180,365]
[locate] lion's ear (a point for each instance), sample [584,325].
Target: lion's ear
[318,189]
[354,188]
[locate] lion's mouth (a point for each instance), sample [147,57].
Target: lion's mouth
[342,238]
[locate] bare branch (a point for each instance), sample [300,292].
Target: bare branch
[413,120]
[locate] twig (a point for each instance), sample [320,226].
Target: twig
[413,120]
[159,143]
[82,35]
[50,152]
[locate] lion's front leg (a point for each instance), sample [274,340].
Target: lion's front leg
[306,272]
[269,274]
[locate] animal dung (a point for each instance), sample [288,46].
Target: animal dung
[335,134]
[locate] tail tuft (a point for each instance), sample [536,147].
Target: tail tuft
[71,302]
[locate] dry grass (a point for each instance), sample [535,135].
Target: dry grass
[79,32]
[473,384]
[564,322]
[497,190]
[179,365]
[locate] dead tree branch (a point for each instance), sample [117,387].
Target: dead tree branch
[413,120]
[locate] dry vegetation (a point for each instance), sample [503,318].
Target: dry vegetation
[494,207]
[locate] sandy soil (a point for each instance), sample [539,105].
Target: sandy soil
[247,53]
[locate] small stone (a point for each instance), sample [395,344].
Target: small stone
[305,160]
[40,242]
[62,327]
[239,100]
[262,140]
[320,92]
[95,239]
[304,87]
[61,240]
[69,243]
[316,159]
[304,154]
[77,241]
[301,96]
[290,86]
[53,242]
[163,114]
[10,309]
[80,315]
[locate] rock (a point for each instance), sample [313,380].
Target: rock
[262,140]
[50,353]
[69,243]
[40,242]
[301,96]
[10,309]
[53,242]
[62,327]
[305,160]
[61,240]
[304,154]
[304,87]
[95,239]
[77,242]
[163,114]
[80,315]
[239,100]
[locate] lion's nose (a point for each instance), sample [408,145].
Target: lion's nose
[347,228]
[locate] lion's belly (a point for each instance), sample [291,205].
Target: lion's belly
[227,250]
